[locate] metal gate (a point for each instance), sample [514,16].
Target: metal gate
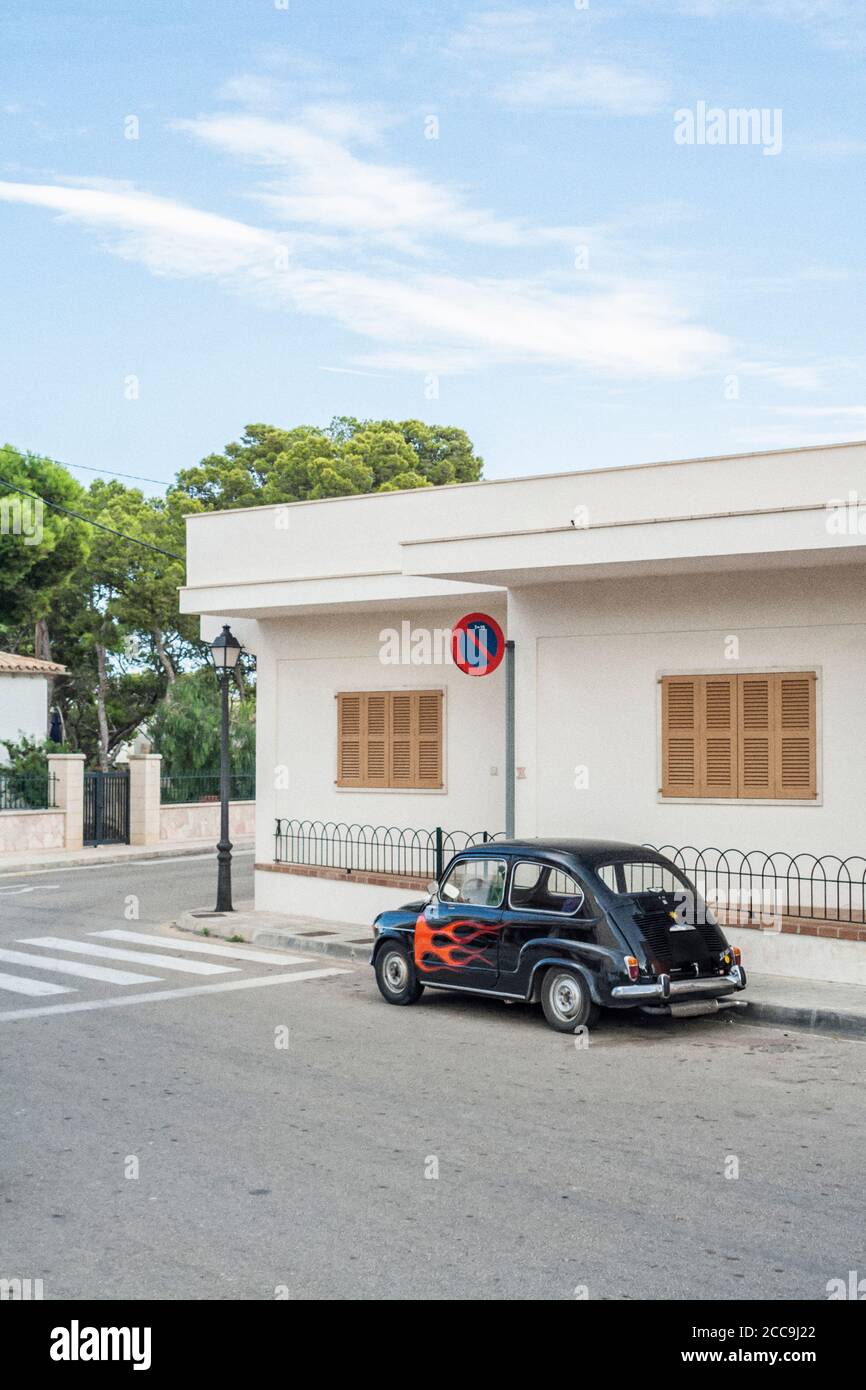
[106,808]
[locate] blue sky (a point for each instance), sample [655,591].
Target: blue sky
[552,271]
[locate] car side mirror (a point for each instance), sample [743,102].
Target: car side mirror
[432,890]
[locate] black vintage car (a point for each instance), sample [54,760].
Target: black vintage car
[578,925]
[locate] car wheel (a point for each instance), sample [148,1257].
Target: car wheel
[566,1001]
[395,976]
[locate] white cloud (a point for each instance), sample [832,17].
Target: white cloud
[323,183]
[531,42]
[503,33]
[593,86]
[837,24]
[416,318]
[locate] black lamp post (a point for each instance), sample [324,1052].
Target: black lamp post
[225,651]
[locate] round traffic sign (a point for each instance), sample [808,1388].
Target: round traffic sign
[477,644]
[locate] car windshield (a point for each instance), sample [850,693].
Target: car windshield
[628,876]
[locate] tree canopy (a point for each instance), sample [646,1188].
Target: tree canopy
[105,606]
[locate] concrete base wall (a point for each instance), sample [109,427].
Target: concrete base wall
[200,820]
[331,900]
[24,830]
[802,957]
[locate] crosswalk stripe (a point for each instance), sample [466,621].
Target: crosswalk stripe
[19,984]
[159,996]
[88,948]
[205,948]
[74,967]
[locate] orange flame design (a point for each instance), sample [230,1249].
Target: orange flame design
[450,947]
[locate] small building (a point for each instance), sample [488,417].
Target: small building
[689,662]
[25,684]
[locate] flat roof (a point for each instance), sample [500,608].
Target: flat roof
[538,477]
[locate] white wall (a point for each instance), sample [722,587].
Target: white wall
[301,665]
[588,660]
[23,708]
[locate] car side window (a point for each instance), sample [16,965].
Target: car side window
[539,887]
[479,882]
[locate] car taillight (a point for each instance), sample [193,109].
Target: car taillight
[632,967]
[737,954]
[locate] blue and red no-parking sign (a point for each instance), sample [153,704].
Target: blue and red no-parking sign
[477,644]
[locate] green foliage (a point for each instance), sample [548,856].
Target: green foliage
[186,728]
[107,609]
[24,782]
[351,456]
[40,549]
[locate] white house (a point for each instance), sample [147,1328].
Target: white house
[24,695]
[689,666]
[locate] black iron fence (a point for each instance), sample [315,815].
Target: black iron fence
[754,885]
[179,789]
[30,792]
[382,849]
[743,885]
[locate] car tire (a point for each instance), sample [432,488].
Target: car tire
[566,1001]
[395,976]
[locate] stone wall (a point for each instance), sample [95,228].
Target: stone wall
[200,820]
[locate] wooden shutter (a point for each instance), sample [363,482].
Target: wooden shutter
[681,756]
[756,717]
[429,738]
[349,740]
[751,736]
[718,762]
[376,741]
[389,739]
[402,739]
[794,743]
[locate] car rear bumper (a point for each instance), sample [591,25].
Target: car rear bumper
[664,988]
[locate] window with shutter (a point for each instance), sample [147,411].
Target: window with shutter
[389,739]
[681,736]
[744,737]
[756,736]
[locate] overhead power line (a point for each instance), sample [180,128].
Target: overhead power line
[100,526]
[111,473]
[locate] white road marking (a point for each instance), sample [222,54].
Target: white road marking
[89,948]
[207,948]
[74,967]
[33,888]
[259,982]
[19,984]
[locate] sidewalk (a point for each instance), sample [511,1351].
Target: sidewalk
[31,861]
[814,1005]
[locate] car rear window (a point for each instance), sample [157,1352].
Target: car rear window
[626,876]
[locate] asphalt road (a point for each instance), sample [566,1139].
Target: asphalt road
[309,1170]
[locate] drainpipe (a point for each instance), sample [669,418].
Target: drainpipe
[509,740]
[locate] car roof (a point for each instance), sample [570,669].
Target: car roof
[589,852]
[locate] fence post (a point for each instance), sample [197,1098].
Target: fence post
[439,865]
[145,771]
[68,770]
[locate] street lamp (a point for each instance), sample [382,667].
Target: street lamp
[225,651]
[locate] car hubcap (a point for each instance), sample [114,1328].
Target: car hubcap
[565,998]
[396,973]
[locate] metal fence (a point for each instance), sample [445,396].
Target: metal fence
[757,886]
[382,849]
[30,792]
[744,885]
[177,789]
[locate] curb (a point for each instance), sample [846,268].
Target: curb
[84,860]
[273,938]
[805,1020]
